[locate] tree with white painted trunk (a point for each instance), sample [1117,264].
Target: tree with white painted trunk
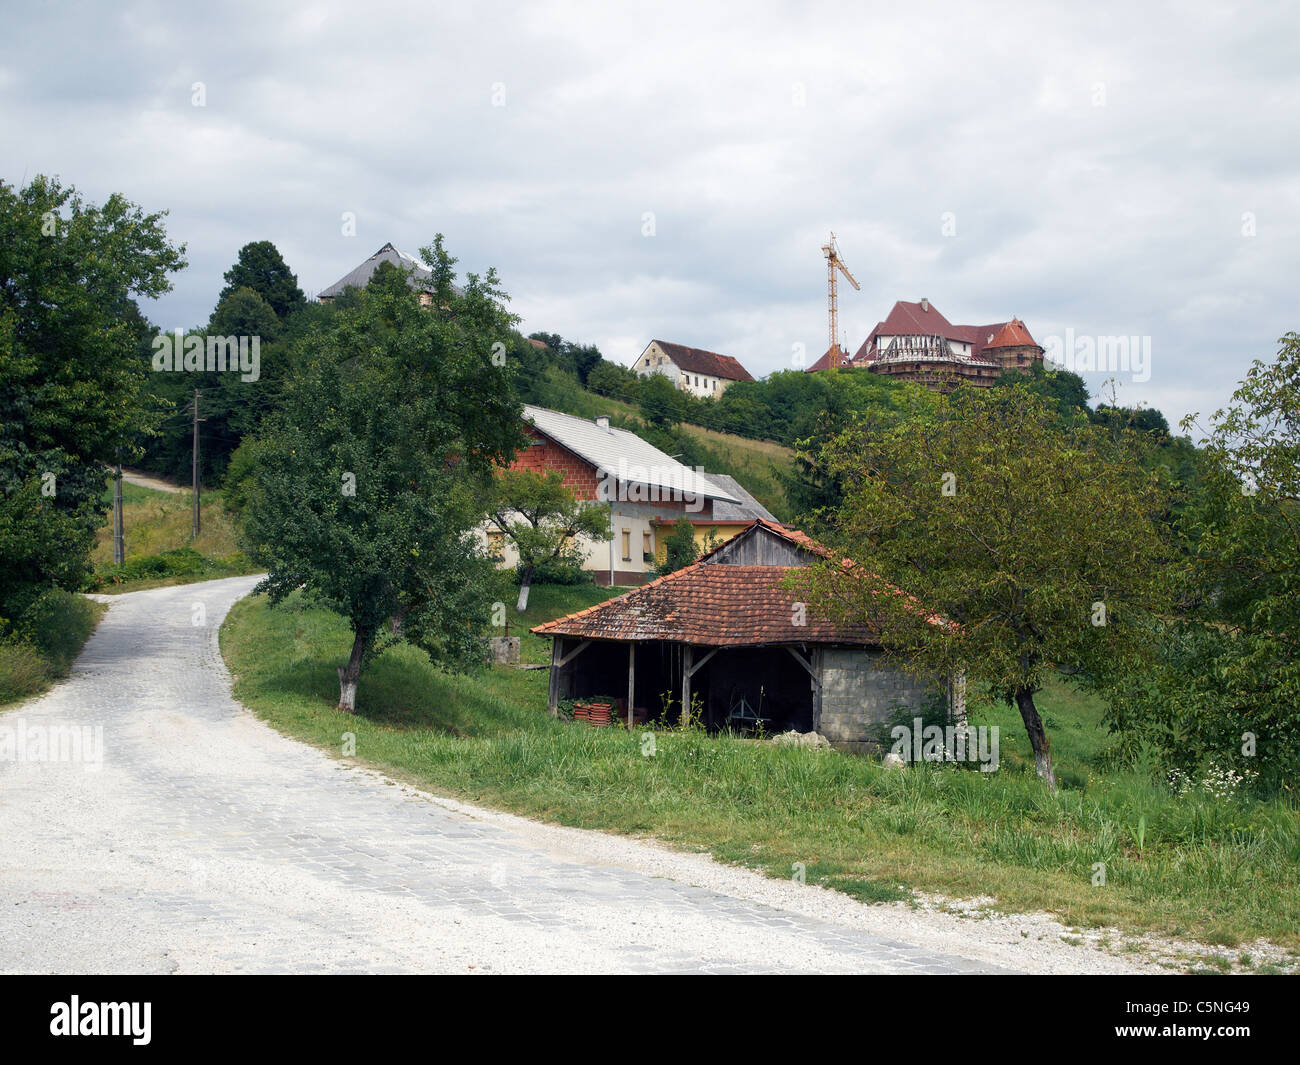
[541,517]
[374,471]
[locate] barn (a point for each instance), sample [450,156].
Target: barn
[728,637]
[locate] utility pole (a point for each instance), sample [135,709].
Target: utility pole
[119,544]
[195,464]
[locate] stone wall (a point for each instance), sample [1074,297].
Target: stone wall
[860,692]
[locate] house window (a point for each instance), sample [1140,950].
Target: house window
[647,548]
[496,543]
[627,545]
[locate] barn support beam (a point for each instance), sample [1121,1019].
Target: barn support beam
[553,691]
[687,671]
[631,682]
[812,670]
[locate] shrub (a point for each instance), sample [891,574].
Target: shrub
[56,626]
[23,672]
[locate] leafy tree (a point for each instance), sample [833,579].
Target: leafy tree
[610,379]
[244,313]
[662,404]
[544,521]
[1226,692]
[1141,419]
[1022,545]
[377,465]
[71,376]
[680,549]
[261,268]
[586,357]
[1064,389]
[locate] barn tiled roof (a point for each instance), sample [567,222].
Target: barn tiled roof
[697,360]
[710,605]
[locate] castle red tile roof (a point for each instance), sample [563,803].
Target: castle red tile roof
[825,361]
[1013,334]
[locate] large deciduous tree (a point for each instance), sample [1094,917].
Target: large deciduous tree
[1038,541]
[371,474]
[1225,696]
[71,372]
[539,515]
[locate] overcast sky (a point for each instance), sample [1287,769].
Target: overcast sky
[1096,170]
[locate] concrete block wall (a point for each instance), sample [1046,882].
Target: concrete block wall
[860,691]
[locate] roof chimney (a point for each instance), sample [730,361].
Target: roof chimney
[925,304]
[603,422]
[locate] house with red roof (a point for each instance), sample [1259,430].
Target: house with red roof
[915,342]
[693,370]
[730,636]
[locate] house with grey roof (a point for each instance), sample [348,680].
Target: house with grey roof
[419,277]
[643,488]
[728,518]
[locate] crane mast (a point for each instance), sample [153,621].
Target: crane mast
[834,267]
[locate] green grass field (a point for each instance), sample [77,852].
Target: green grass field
[160,550]
[1223,872]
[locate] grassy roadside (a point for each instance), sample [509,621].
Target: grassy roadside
[1220,871]
[55,630]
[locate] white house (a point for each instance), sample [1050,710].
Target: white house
[693,370]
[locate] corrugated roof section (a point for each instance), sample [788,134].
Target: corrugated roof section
[623,455]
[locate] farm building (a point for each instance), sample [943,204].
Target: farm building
[727,636]
[643,488]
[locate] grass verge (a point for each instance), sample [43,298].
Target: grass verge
[52,634]
[1221,871]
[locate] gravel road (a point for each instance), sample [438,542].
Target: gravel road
[204,841]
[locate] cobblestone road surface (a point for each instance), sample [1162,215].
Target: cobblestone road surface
[207,842]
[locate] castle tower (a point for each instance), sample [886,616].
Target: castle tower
[1013,348]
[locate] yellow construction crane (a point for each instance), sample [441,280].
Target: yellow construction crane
[833,264]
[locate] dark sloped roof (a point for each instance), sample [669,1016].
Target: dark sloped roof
[697,360]
[748,507]
[418,274]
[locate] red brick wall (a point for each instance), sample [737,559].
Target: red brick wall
[583,479]
[580,476]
